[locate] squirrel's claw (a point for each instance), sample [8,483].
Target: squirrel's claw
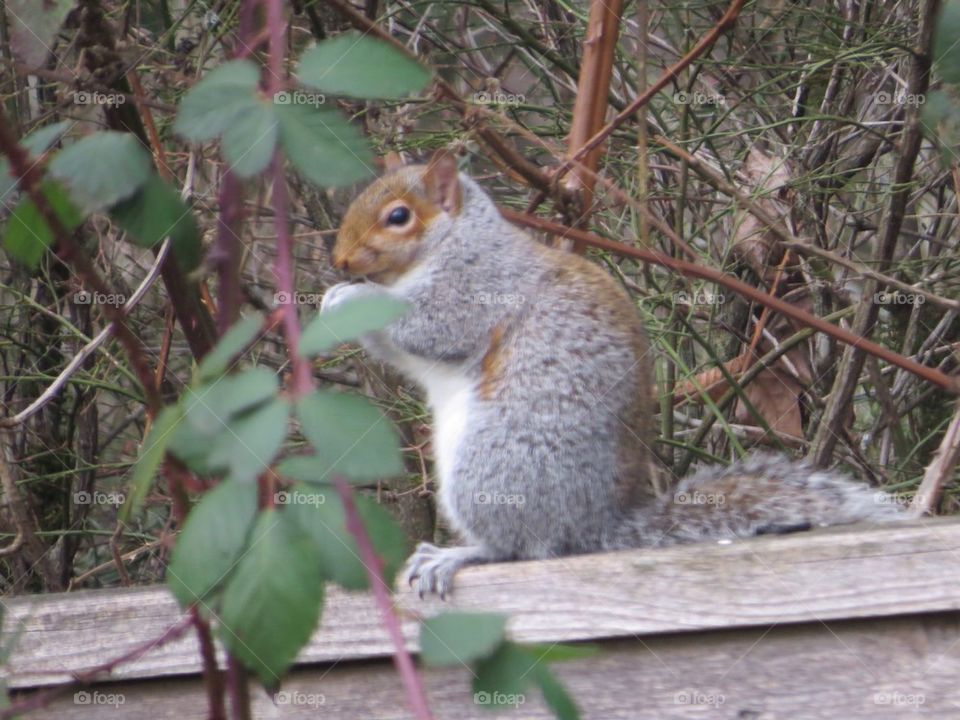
[434,568]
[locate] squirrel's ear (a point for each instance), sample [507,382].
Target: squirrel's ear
[392,161]
[442,181]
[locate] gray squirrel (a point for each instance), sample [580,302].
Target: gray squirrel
[536,369]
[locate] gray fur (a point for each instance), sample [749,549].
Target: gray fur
[548,438]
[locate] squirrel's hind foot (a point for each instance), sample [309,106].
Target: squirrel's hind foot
[433,568]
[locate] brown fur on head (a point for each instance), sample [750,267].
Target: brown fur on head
[384,227]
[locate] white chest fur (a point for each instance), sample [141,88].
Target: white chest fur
[451,395]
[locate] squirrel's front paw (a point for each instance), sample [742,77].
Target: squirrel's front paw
[433,568]
[341,292]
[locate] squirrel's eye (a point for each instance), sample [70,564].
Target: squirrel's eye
[399,216]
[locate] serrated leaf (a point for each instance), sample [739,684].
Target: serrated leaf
[458,638]
[247,447]
[556,695]
[151,455]
[273,600]
[33,28]
[157,211]
[102,169]
[216,102]
[249,142]
[27,235]
[323,147]
[351,435]
[946,49]
[243,332]
[362,67]
[321,515]
[211,406]
[212,541]
[350,320]
[505,675]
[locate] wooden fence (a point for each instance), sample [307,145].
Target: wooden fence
[840,624]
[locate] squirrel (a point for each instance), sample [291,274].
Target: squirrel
[537,371]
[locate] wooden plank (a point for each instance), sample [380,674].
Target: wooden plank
[901,667]
[821,576]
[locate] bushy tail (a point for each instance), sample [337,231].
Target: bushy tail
[762,494]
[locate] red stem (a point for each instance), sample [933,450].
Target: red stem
[412,682]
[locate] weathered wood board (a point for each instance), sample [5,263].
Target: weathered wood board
[847,623]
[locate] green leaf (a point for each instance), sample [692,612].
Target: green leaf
[350,320]
[28,234]
[210,407]
[946,48]
[249,142]
[321,515]
[351,435]
[241,333]
[151,455]
[33,28]
[102,169]
[457,638]
[362,67]
[247,447]
[504,676]
[323,147]
[556,695]
[157,211]
[215,103]
[36,143]
[272,603]
[212,541]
